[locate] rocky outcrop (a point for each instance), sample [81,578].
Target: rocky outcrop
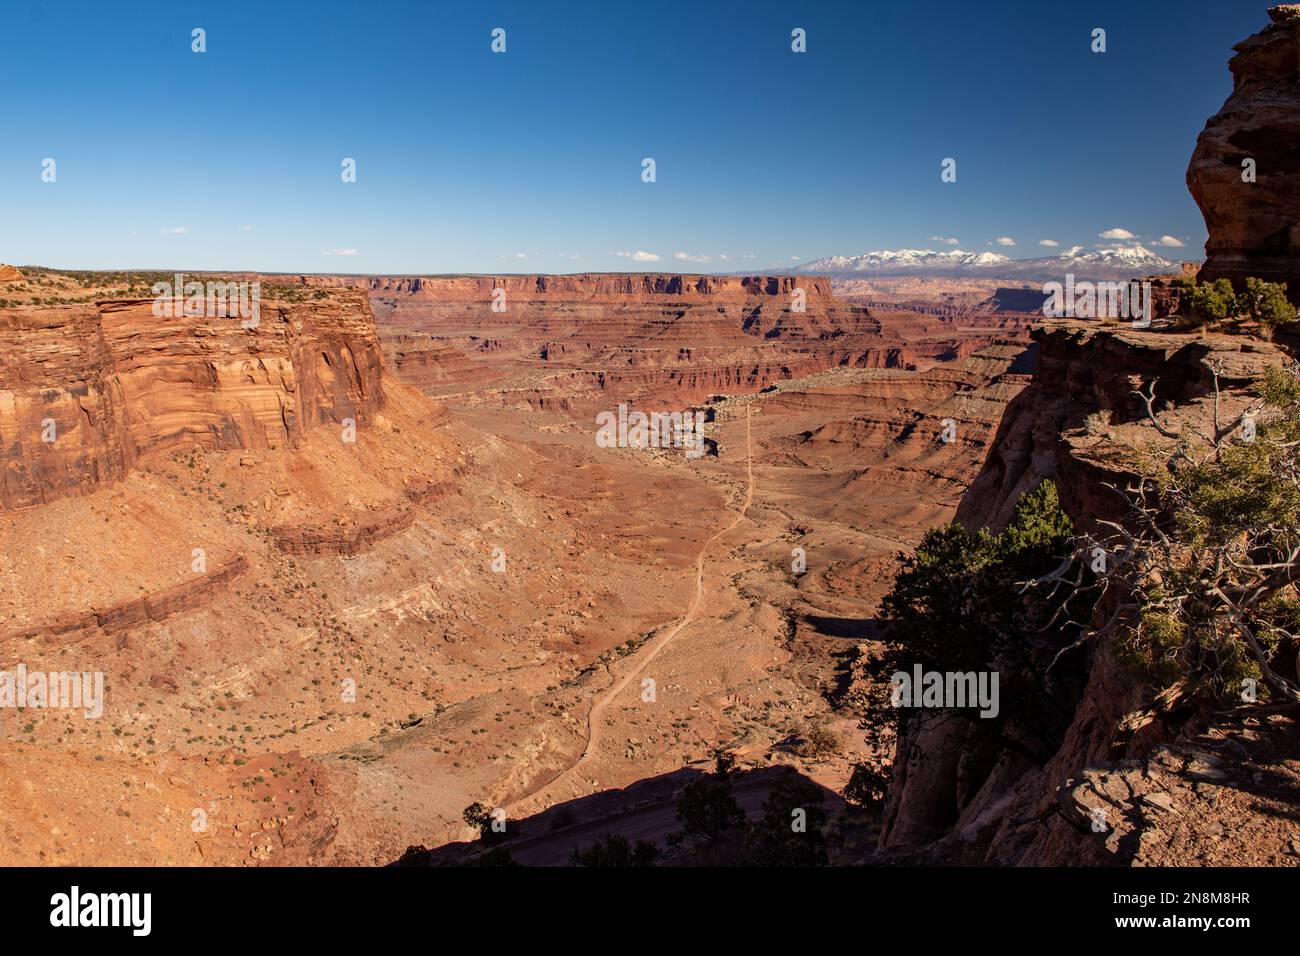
[1087,370]
[1254,226]
[1081,424]
[117,618]
[339,538]
[9,273]
[87,391]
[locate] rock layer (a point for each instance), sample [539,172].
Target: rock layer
[86,391]
[1254,226]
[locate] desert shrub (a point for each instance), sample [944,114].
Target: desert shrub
[1266,303]
[1215,555]
[479,816]
[1263,302]
[959,604]
[819,741]
[867,786]
[789,833]
[1213,302]
[1098,422]
[613,850]
[707,809]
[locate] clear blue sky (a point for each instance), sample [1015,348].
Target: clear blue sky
[473,162]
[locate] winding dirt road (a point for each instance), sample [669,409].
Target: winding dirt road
[538,799]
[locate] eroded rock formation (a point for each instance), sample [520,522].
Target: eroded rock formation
[1254,220]
[87,390]
[583,342]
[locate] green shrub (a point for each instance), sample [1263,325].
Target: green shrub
[960,604]
[1266,303]
[1214,302]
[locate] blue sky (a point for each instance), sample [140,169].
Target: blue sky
[469,161]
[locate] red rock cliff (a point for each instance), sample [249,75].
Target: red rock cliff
[112,383]
[1254,227]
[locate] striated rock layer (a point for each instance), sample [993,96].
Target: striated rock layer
[86,391]
[575,343]
[1254,227]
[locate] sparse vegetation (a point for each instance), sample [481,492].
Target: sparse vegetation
[1213,303]
[613,850]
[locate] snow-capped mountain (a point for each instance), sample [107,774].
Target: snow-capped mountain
[906,259]
[1105,262]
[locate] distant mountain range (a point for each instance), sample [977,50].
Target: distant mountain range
[1107,263]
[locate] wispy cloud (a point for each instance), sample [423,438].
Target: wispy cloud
[638,256]
[340,252]
[946,240]
[174,231]
[687,257]
[245,228]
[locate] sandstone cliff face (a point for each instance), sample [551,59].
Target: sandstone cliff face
[622,285]
[86,391]
[1254,227]
[951,793]
[1083,370]
[580,343]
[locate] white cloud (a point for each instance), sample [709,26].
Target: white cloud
[1050,243]
[340,252]
[175,231]
[1117,233]
[245,228]
[638,256]
[687,257]
[1005,241]
[794,258]
[724,257]
[1171,241]
[944,239]
[567,255]
[521,255]
[1073,251]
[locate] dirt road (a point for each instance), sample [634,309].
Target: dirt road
[552,789]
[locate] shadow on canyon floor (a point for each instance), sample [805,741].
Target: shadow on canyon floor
[645,810]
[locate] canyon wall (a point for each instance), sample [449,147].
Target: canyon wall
[1254,222]
[87,390]
[951,792]
[575,343]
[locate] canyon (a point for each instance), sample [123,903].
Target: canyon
[364,565]
[350,588]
